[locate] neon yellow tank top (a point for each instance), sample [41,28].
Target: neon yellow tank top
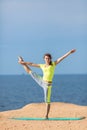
[48,72]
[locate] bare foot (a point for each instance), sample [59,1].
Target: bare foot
[46,117]
[20,60]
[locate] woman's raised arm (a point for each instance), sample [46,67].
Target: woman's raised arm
[64,56]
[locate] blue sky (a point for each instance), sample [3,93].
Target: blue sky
[31,28]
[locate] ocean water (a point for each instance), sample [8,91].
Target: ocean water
[17,91]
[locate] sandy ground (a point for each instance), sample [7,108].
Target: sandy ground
[38,110]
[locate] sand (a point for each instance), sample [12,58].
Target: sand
[38,110]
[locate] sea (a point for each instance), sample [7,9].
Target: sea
[16,91]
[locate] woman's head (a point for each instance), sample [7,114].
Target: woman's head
[48,58]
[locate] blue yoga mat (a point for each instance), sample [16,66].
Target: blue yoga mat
[56,118]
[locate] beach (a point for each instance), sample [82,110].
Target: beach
[38,110]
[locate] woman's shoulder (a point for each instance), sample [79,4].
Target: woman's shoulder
[53,63]
[41,65]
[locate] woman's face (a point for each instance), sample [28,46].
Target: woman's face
[47,59]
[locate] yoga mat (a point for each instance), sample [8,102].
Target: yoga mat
[56,118]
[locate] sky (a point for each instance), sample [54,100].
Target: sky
[31,28]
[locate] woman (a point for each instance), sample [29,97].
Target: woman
[48,72]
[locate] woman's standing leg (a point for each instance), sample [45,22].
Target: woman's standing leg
[48,98]
[48,110]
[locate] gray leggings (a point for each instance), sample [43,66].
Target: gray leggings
[46,86]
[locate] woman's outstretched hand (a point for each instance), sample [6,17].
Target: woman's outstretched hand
[73,50]
[22,62]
